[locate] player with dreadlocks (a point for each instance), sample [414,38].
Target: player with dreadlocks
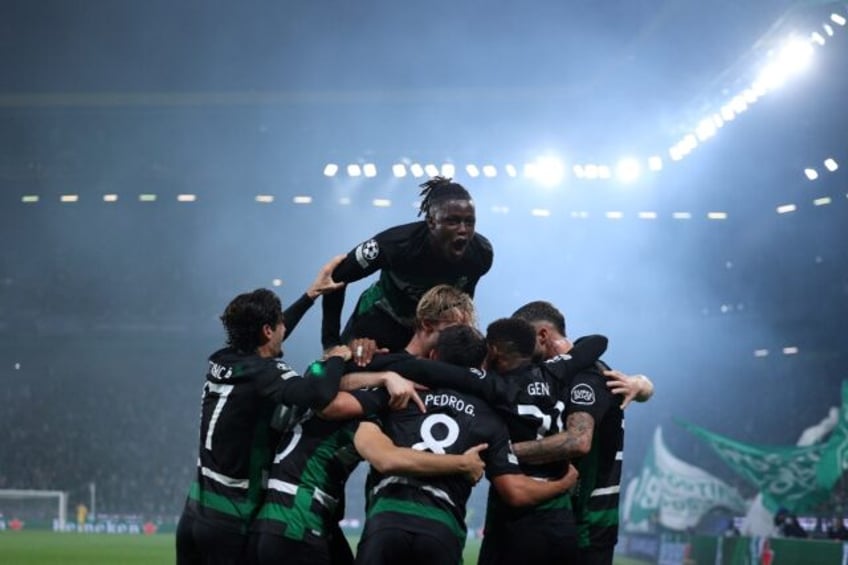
[411,258]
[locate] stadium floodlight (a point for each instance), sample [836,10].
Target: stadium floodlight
[511,171]
[681,215]
[830,164]
[791,350]
[591,171]
[416,170]
[431,170]
[706,129]
[67,198]
[345,201]
[718,121]
[675,153]
[828,29]
[838,19]
[655,163]
[381,202]
[549,171]
[761,352]
[647,215]
[628,170]
[500,209]
[811,174]
[604,172]
[690,142]
[186,197]
[797,54]
[277,282]
[330,169]
[302,200]
[579,171]
[738,104]
[399,170]
[354,170]
[786,208]
[817,38]
[716,215]
[369,170]
[448,170]
[750,95]
[110,198]
[264,198]
[614,215]
[727,113]
[823,201]
[540,212]
[472,170]
[147,198]
[29,198]
[489,171]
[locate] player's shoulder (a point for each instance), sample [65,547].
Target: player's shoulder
[402,232]
[588,386]
[482,248]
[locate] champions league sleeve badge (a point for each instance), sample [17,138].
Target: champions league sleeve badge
[367,252]
[583,394]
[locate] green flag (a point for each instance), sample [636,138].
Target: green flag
[673,493]
[786,476]
[834,460]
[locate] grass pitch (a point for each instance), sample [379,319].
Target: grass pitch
[49,548]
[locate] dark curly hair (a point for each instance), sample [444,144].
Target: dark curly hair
[461,345]
[514,337]
[541,311]
[245,316]
[438,190]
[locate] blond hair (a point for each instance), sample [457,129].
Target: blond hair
[445,303]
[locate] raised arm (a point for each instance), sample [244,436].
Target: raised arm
[387,458]
[364,259]
[520,490]
[322,284]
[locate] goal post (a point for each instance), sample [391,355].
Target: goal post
[22,495]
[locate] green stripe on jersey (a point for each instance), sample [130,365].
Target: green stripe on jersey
[557,503]
[221,503]
[420,510]
[295,520]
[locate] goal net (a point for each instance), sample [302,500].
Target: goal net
[20,506]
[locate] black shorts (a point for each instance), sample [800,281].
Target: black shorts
[379,326]
[271,549]
[595,556]
[200,542]
[388,546]
[534,539]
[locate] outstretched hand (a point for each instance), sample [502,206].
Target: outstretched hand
[635,387]
[324,282]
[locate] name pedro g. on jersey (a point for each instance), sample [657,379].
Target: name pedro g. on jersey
[453,423]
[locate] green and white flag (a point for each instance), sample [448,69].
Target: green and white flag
[674,493]
[834,459]
[785,476]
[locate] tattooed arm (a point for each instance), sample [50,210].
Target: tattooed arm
[574,442]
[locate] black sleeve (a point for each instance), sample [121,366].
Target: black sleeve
[295,312]
[374,401]
[436,374]
[586,351]
[316,389]
[363,260]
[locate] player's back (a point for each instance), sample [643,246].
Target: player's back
[454,422]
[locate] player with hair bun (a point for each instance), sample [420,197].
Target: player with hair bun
[443,248]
